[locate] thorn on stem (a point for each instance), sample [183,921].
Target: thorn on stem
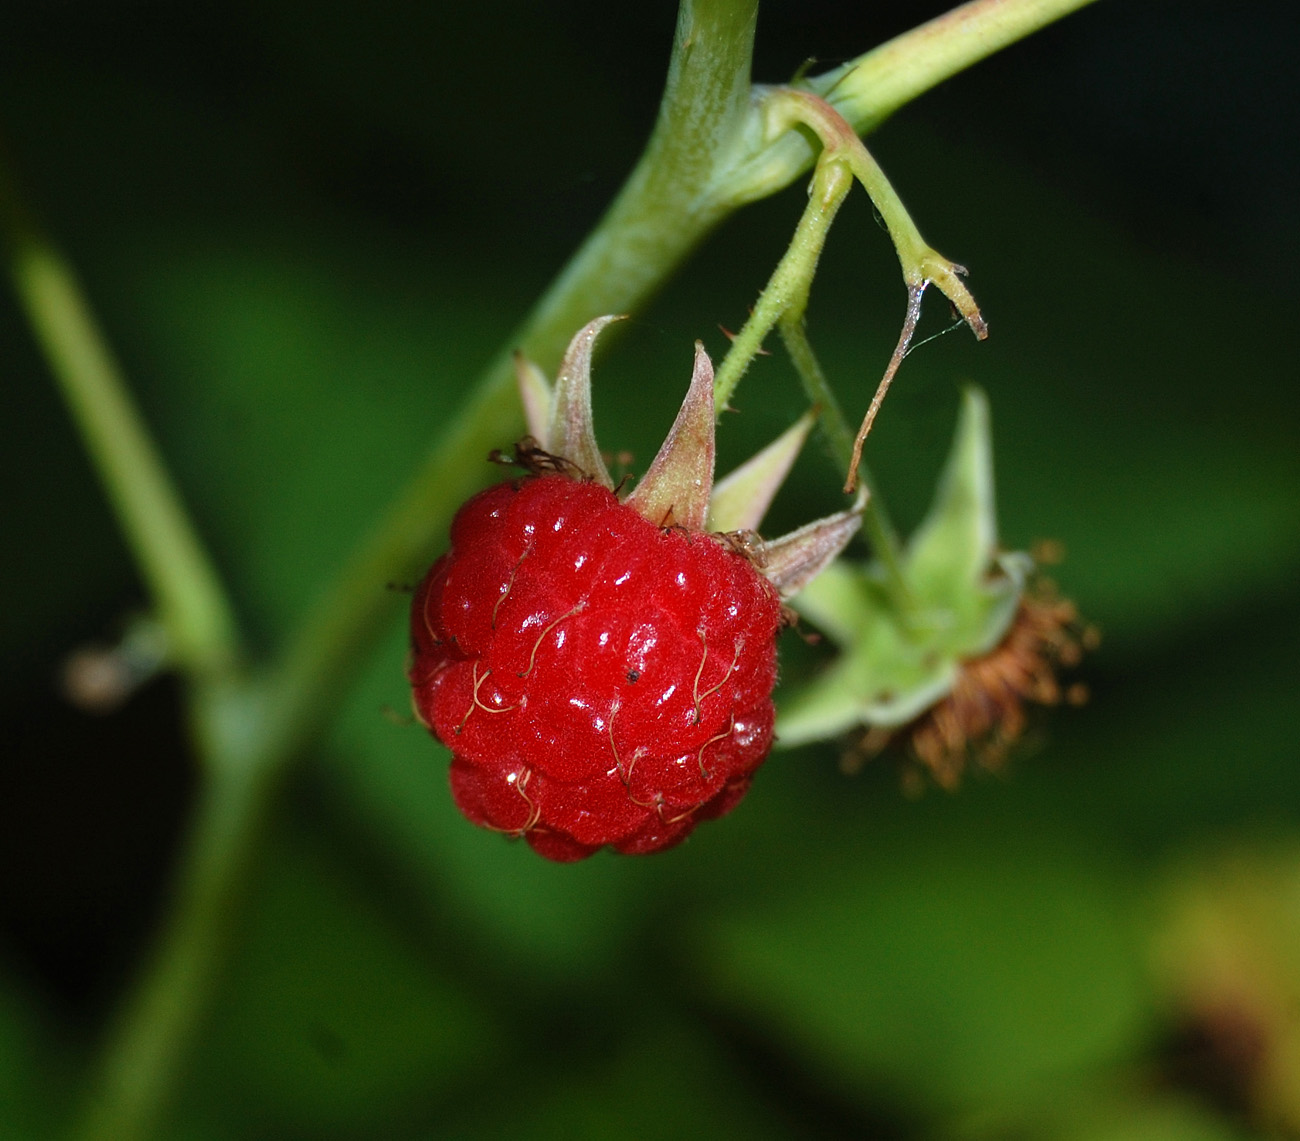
[758,352]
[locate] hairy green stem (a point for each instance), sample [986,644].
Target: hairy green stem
[787,289]
[783,302]
[922,265]
[871,87]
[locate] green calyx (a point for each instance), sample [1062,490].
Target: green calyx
[901,656]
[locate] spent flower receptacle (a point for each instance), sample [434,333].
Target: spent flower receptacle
[950,665]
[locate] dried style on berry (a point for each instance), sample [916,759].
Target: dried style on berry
[601,667]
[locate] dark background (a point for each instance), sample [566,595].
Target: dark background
[306,227]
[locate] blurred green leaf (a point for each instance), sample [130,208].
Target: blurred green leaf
[331,1017]
[662,1079]
[950,967]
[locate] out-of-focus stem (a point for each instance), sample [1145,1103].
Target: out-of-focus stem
[187,592]
[870,88]
[147,1045]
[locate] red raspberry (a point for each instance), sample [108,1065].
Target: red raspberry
[599,679]
[602,668]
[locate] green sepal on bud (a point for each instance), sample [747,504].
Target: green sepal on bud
[901,657]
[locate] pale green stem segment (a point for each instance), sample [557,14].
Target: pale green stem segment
[921,264]
[191,603]
[146,1046]
[869,89]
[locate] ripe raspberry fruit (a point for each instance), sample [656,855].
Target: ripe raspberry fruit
[602,669]
[600,680]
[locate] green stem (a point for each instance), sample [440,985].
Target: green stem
[867,90]
[870,88]
[191,603]
[783,302]
[146,1047]
[922,265]
[784,299]
[787,288]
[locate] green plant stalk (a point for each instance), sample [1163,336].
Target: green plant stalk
[696,171]
[190,600]
[870,88]
[144,1058]
[867,90]
[790,279]
[922,265]
[920,262]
